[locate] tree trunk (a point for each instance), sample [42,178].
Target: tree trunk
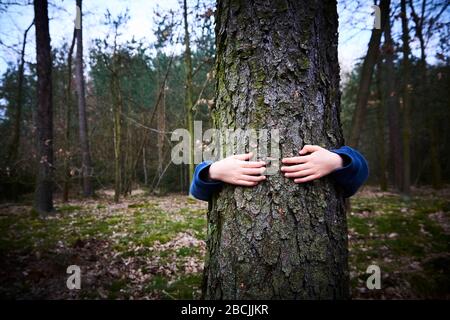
[406,75]
[44,116]
[84,139]
[126,155]
[370,60]
[117,110]
[161,127]
[277,68]
[381,150]
[188,88]
[393,107]
[67,174]
[144,166]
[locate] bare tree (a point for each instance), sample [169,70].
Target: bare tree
[381,149]
[117,119]
[188,88]
[406,93]
[366,76]
[82,118]
[68,115]
[392,104]
[44,117]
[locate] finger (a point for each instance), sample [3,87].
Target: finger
[253,164]
[246,183]
[308,149]
[244,156]
[299,174]
[296,160]
[306,179]
[252,178]
[294,168]
[253,171]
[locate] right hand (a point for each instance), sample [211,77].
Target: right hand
[238,171]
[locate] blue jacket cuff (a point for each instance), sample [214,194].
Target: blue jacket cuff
[201,187]
[354,172]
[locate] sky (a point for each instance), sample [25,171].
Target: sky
[355,26]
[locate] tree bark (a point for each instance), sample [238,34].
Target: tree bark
[127,174]
[395,143]
[406,133]
[277,67]
[83,128]
[117,111]
[381,150]
[67,175]
[144,166]
[188,92]
[161,127]
[43,202]
[370,60]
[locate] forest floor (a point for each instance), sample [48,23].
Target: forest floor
[150,247]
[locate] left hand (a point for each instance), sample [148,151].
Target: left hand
[318,163]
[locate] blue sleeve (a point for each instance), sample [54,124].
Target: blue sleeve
[354,172]
[201,187]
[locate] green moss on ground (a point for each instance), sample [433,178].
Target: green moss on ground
[144,250]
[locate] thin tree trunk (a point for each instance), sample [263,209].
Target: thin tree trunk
[161,127]
[406,75]
[381,150]
[277,68]
[188,92]
[393,108]
[43,202]
[370,60]
[117,110]
[130,165]
[83,127]
[67,174]
[144,166]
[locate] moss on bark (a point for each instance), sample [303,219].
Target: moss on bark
[277,68]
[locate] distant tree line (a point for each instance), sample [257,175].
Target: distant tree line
[395,104]
[112,117]
[108,120]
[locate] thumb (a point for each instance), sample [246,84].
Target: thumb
[308,149]
[244,156]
